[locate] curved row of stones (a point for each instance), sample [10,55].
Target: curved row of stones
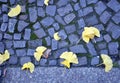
[37,23]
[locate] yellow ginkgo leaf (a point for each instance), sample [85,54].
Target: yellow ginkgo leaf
[69,57]
[90,33]
[39,52]
[14,11]
[46,2]
[56,36]
[4,57]
[28,65]
[66,63]
[107,61]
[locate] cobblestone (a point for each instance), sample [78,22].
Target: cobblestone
[43,62]
[95,61]
[48,41]
[52,62]
[17,36]
[5,18]
[70,28]
[51,10]
[62,44]
[8,44]
[4,27]
[41,12]
[81,23]
[11,25]
[8,36]
[54,44]
[69,18]
[22,25]
[107,38]
[24,60]
[73,38]
[13,60]
[62,34]
[36,25]
[87,10]
[82,61]
[27,34]
[33,14]
[59,20]
[40,33]
[56,26]
[51,31]
[34,43]
[21,52]
[46,22]
[30,52]
[19,44]
[83,3]
[76,7]
[116,18]
[2,47]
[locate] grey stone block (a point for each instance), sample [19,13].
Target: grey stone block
[76,7]
[80,13]
[73,38]
[102,45]
[8,44]
[1,36]
[59,19]
[22,25]
[70,28]
[4,27]
[57,53]
[36,26]
[3,0]
[100,7]
[46,22]
[78,49]
[40,33]
[31,1]
[83,3]
[51,31]
[56,26]
[107,38]
[23,7]
[114,5]
[95,61]
[13,60]
[43,62]
[19,44]
[91,49]
[89,20]
[82,61]
[40,2]
[62,34]
[8,36]
[23,17]
[34,43]
[100,27]
[81,23]
[116,18]
[41,12]
[5,18]
[33,14]
[113,48]
[99,39]
[11,51]
[24,60]
[51,10]
[12,2]
[87,10]
[48,41]
[69,18]
[62,2]
[54,45]
[11,25]
[62,44]
[65,10]
[17,36]
[30,52]
[21,52]
[4,8]
[105,17]
[52,62]
[91,1]
[27,34]
[2,47]
[104,51]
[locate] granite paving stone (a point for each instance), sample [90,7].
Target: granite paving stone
[12,52]
[62,34]
[3,0]
[51,31]
[87,10]
[8,36]
[40,33]
[107,38]
[104,51]
[95,61]
[102,45]
[91,1]
[105,17]
[23,8]
[27,34]
[70,29]
[69,18]
[48,41]
[81,23]
[100,7]
[40,2]
[52,62]
[24,60]
[30,52]
[62,2]
[31,1]
[36,26]
[113,48]
[4,8]
[34,43]
[33,14]
[13,60]
[23,17]
[46,22]
[19,44]
[116,18]
[1,36]
[59,20]
[54,45]
[62,44]
[43,62]
[114,5]
[51,10]
[17,36]
[2,47]
[12,2]
[76,7]
[5,18]
[83,3]
[78,49]
[4,27]
[41,12]
[99,27]
[80,13]
[73,38]
[21,52]
[22,25]
[56,26]
[11,25]
[82,61]
[8,44]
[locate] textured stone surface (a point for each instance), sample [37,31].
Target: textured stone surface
[40,33]
[59,20]
[19,44]
[27,34]
[11,25]
[46,22]
[54,44]
[95,61]
[52,62]
[36,25]
[62,34]
[2,47]
[51,10]
[13,60]
[7,36]
[41,12]
[69,18]
[21,52]
[116,18]
[30,52]
[34,43]
[51,31]
[33,14]
[70,28]
[22,25]
[24,60]
[73,38]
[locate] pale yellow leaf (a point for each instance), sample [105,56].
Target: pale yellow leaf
[28,65]
[46,2]
[14,11]
[56,36]
[66,63]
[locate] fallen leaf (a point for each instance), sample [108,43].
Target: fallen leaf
[14,11]
[28,65]
[4,57]
[56,36]
[107,61]
[47,53]
[69,57]
[39,52]
[46,2]
[90,33]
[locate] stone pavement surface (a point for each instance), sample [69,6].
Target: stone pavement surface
[62,75]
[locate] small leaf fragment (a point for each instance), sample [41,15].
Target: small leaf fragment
[56,36]
[46,2]
[28,65]
[14,11]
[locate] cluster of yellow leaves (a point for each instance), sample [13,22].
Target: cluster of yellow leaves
[46,2]
[14,11]
[90,33]
[28,65]
[69,57]
[39,52]
[4,57]
[107,61]
[56,36]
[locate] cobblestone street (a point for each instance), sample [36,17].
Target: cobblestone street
[37,23]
